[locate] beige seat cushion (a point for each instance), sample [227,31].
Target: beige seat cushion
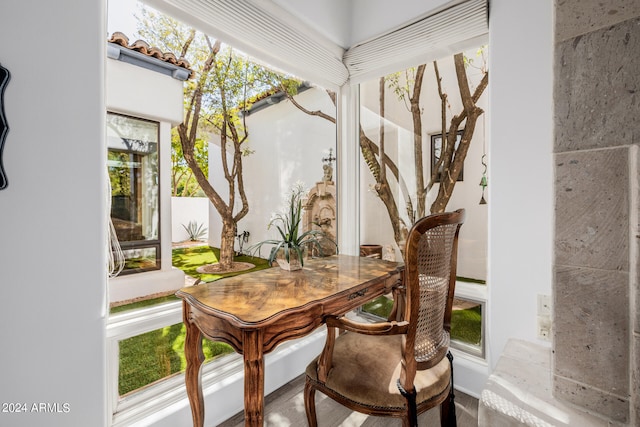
[366,369]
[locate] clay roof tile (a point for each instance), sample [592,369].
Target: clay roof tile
[119,38]
[140,46]
[144,48]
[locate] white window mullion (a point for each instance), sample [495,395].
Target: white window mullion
[348,175]
[135,322]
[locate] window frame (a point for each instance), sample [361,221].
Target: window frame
[145,244]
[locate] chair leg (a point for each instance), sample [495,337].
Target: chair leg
[310,404]
[412,409]
[448,407]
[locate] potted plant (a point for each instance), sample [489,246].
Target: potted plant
[290,248]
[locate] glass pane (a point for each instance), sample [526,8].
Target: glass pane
[466,326]
[466,321]
[155,355]
[379,308]
[141,258]
[401,145]
[412,167]
[133,173]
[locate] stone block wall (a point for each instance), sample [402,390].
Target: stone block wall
[597,131]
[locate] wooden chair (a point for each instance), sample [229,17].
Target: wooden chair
[398,368]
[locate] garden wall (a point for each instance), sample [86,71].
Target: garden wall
[185,209]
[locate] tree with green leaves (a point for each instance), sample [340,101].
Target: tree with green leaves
[183,182]
[225,83]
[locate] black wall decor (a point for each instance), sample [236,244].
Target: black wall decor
[4,127]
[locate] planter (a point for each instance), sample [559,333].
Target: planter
[294,262]
[292,265]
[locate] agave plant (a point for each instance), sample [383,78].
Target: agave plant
[291,241]
[196,231]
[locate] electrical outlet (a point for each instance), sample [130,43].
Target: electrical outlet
[544,328]
[544,305]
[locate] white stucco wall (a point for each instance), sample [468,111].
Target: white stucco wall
[53,221]
[521,168]
[134,90]
[287,149]
[184,210]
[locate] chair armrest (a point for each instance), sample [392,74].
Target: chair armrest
[344,324]
[382,328]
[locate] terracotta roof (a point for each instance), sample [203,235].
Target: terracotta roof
[143,47]
[271,97]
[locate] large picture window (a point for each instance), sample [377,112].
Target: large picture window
[403,161]
[132,162]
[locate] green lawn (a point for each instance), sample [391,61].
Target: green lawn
[157,354]
[189,259]
[152,356]
[466,325]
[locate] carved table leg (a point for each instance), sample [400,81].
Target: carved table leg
[253,378]
[195,357]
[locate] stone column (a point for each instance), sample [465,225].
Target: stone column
[597,130]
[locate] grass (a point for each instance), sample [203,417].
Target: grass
[157,354]
[380,307]
[189,259]
[466,325]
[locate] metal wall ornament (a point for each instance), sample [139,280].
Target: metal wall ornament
[484,183]
[4,127]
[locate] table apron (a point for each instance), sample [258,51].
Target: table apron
[292,324]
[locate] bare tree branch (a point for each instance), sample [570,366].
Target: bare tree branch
[317,113]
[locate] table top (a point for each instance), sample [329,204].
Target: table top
[260,296]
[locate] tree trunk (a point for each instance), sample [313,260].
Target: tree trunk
[383,190]
[227,240]
[454,157]
[416,113]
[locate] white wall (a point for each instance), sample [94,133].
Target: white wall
[289,146]
[184,210]
[344,23]
[135,90]
[521,174]
[53,220]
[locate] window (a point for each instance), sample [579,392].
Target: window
[146,341]
[132,162]
[156,355]
[401,173]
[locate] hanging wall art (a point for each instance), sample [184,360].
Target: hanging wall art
[4,127]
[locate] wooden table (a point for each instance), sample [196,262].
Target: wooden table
[254,312]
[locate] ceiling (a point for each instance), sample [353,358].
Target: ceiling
[350,22]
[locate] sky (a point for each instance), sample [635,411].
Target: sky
[120,17]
